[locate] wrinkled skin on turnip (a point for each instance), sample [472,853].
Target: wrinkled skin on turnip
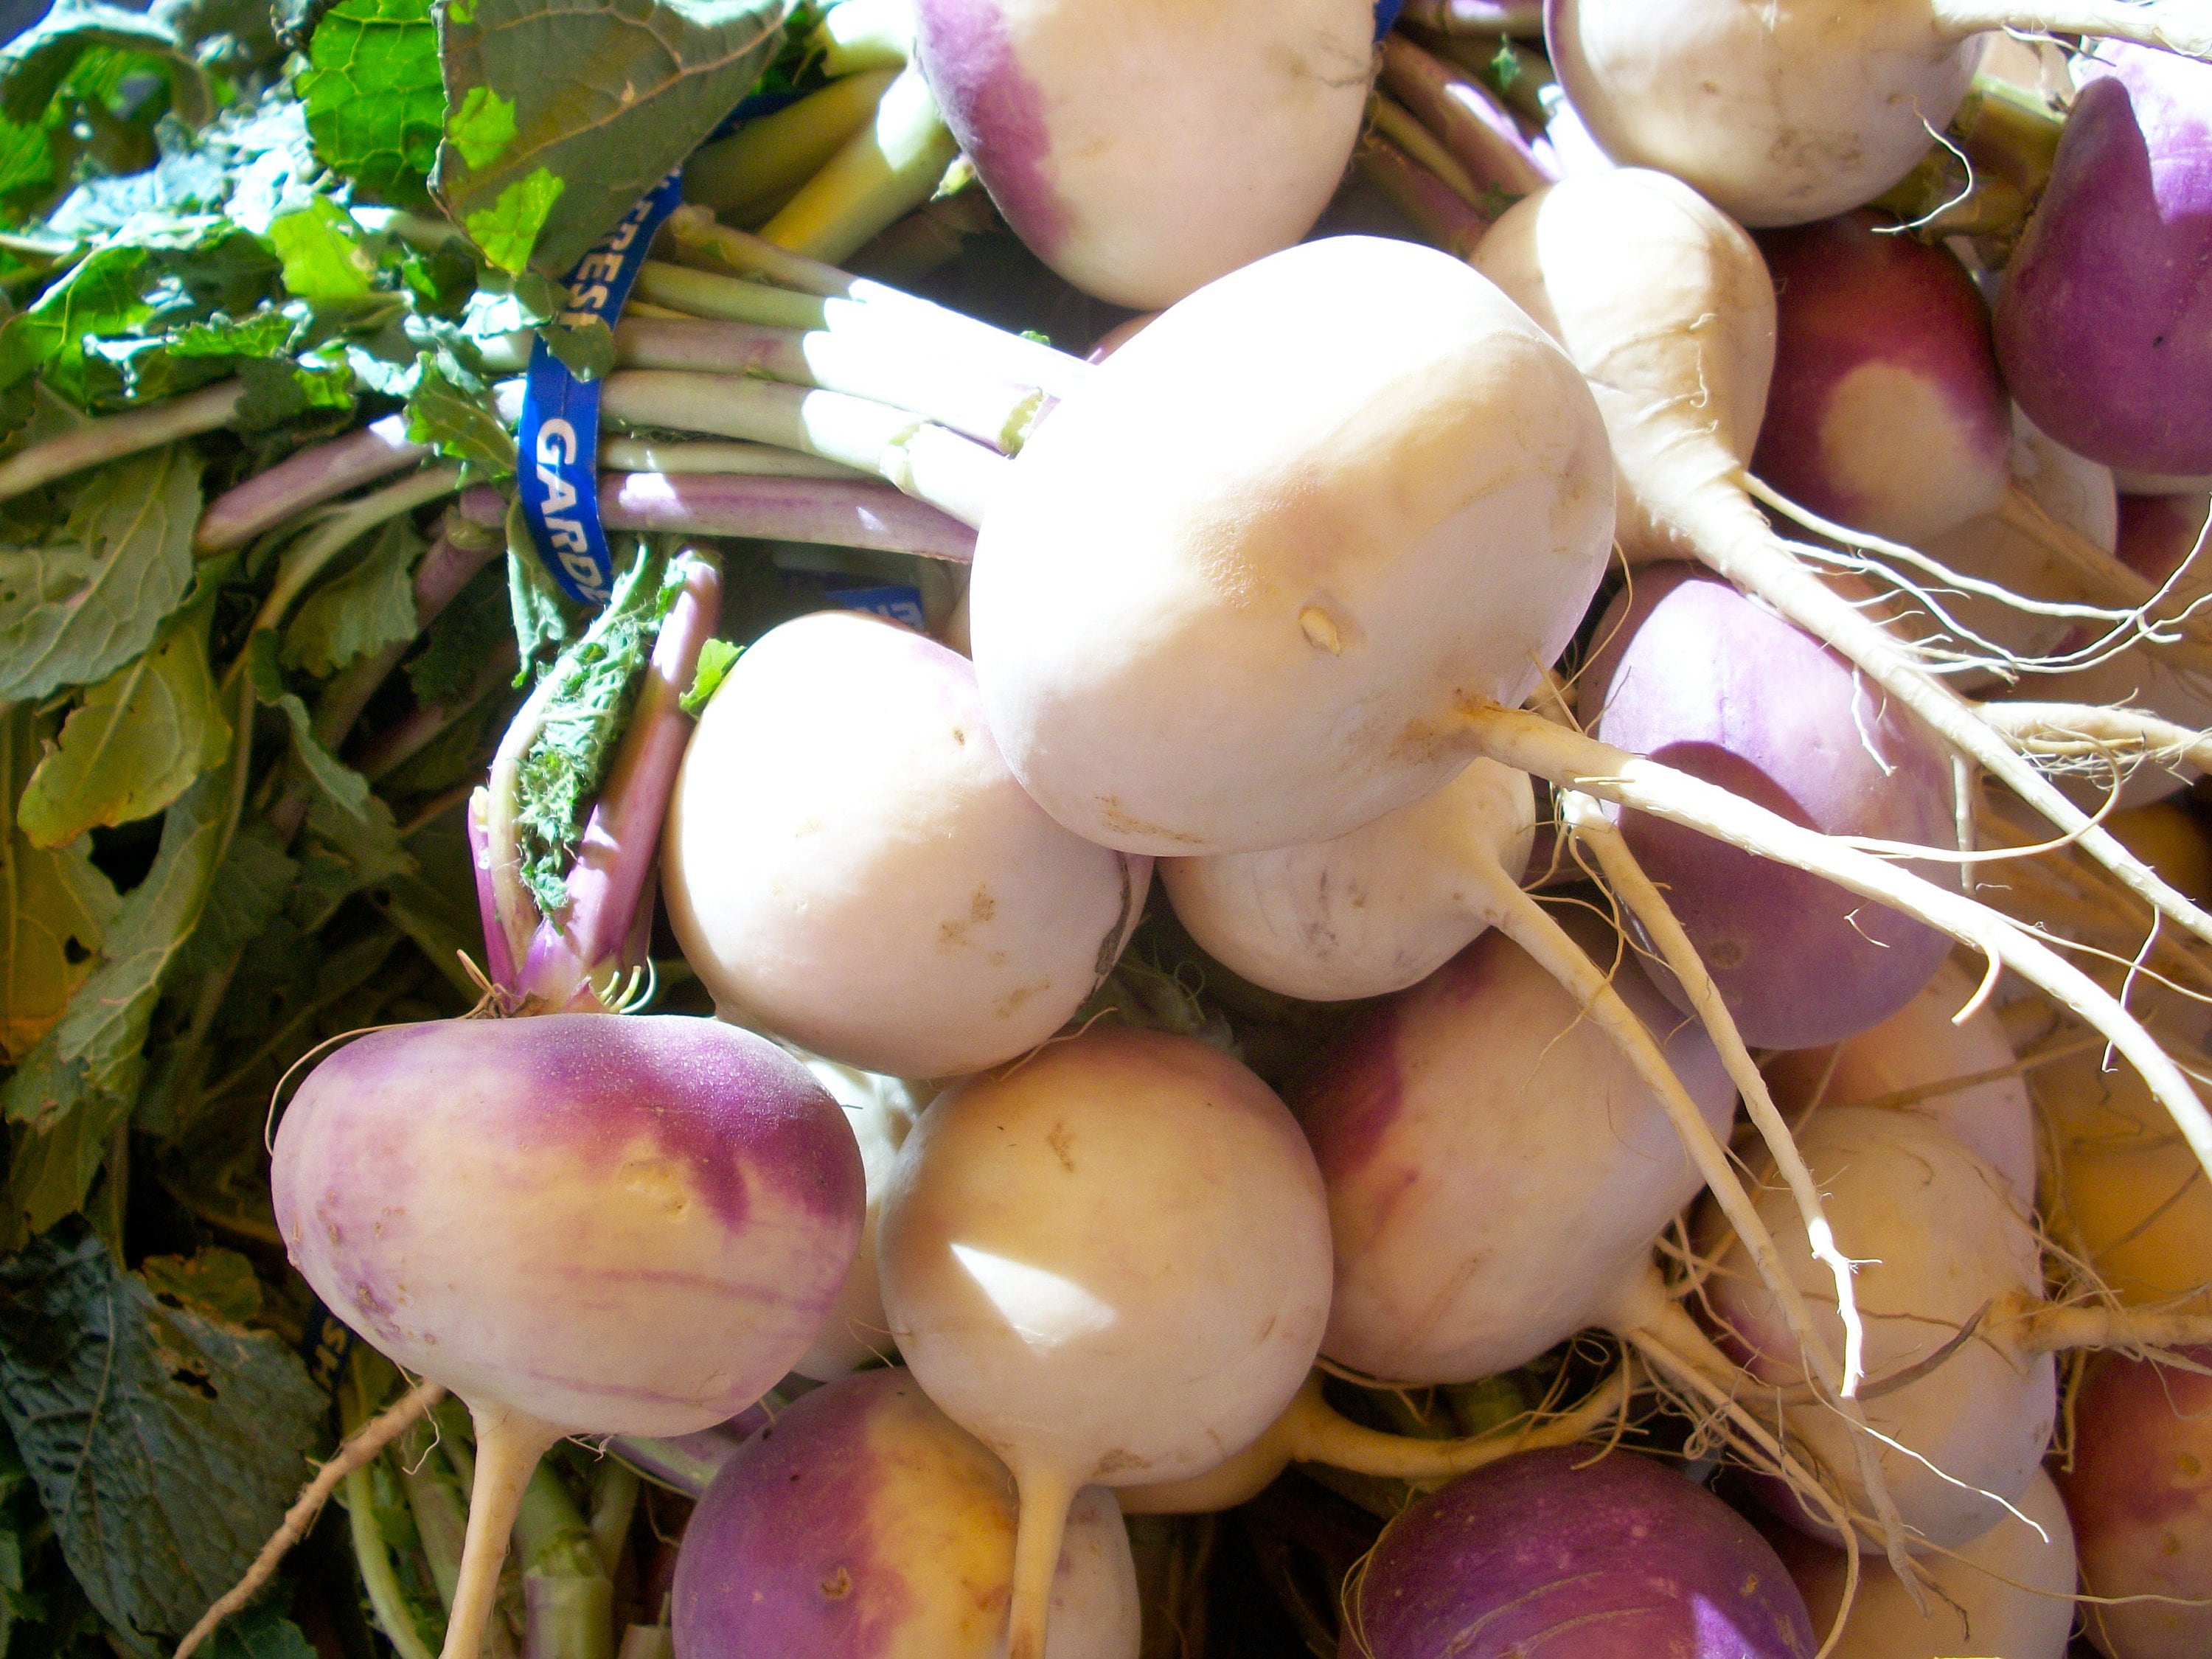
[1696,676]
[1143,153]
[1915,1048]
[865,1523]
[2104,324]
[1371,912]
[1615,1558]
[1940,1242]
[881,1111]
[1496,1170]
[1886,413]
[1233,591]
[2008,1594]
[849,863]
[2140,1492]
[1779,113]
[616,1225]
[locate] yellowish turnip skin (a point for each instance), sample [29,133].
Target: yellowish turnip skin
[1370,912]
[1939,1243]
[1779,113]
[848,862]
[1232,593]
[1699,315]
[1249,111]
[2008,1594]
[881,1111]
[1914,1049]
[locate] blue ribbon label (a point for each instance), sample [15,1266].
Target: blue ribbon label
[1386,13]
[559,438]
[901,604]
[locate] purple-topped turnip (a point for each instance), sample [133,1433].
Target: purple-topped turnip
[1615,1557]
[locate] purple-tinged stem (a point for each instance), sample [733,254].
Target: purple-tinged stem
[406,737]
[110,437]
[1479,131]
[498,960]
[686,1462]
[1435,210]
[835,512]
[615,859]
[1475,16]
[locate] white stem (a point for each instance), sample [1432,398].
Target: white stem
[740,460]
[110,437]
[1574,762]
[2074,728]
[2045,1328]
[509,1446]
[1733,539]
[2182,25]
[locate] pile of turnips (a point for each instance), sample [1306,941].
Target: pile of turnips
[1622,626]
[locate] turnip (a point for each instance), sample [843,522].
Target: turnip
[1960,1075]
[2008,1595]
[1887,411]
[850,864]
[2116,365]
[1449,1125]
[864,1523]
[881,1111]
[1141,156]
[1789,112]
[1668,307]
[1110,1263]
[1617,1558]
[1693,674]
[2140,1493]
[577,1222]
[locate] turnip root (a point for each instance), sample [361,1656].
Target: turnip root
[849,862]
[1886,413]
[1666,306]
[1946,1261]
[2140,1493]
[1141,156]
[578,1224]
[1311,1430]
[1110,1263]
[1616,1559]
[1263,645]
[881,1111]
[1790,113]
[2008,1595]
[864,1523]
[1693,674]
[2105,317]
[1451,1123]
[1962,1076]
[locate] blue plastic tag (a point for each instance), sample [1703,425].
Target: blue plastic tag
[901,604]
[1386,13]
[559,439]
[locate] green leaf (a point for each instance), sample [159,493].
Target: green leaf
[482,128]
[38,61]
[371,606]
[585,350]
[165,1445]
[545,618]
[608,95]
[220,1284]
[55,910]
[322,251]
[460,421]
[74,610]
[374,99]
[464,638]
[95,1051]
[138,739]
[597,680]
[508,230]
[716,658]
[51,1168]
[356,822]
[260,1631]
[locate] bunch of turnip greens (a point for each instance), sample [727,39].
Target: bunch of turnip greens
[232,758]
